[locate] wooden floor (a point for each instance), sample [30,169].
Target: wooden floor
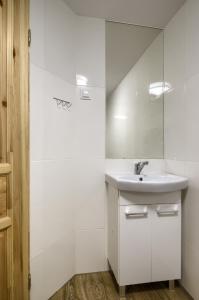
[102,286]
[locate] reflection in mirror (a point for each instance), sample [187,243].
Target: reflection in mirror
[134,91]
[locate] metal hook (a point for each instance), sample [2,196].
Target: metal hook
[60,102]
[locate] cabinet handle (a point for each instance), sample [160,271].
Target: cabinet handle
[138,214]
[167,212]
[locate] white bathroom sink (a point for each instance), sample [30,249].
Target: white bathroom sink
[147,183]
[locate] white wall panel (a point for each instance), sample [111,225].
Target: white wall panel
[181,128]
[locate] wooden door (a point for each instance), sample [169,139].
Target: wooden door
[14,158]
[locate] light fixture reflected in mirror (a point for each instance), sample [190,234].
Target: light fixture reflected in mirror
[81,80]
[159,88]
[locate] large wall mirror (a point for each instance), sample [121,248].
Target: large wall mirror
[134,91]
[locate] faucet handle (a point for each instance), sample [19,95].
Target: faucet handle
[139,163]
[139,166]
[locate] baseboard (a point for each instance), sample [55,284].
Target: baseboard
[179,282]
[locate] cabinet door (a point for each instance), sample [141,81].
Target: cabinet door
[166,242]
[135,245]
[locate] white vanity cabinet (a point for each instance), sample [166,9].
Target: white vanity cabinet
[144,236]
[166,242]
[134,245]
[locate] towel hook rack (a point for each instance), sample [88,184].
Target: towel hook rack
[62,103]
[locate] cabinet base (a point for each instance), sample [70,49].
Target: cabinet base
[171,285]
[122,292]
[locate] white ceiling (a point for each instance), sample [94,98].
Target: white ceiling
[125,44]
[152,13]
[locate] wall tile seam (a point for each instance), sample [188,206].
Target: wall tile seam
[64,79]
[85,229]
[49,246]
[182,161]
[152,160]
[97,158]
[52,73]
[134,159]
[51,160]
[90,229]
[41,252]
[92,86]
[46,248]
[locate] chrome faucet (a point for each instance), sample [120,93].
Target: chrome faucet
[139,166]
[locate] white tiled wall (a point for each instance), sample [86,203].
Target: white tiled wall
[91,50]
[52,74]
[182,127]
[67,147]
[89,148]
[68,233]
[53,25]
[90,250]
[89,124]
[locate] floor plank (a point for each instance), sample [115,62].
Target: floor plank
[102,286]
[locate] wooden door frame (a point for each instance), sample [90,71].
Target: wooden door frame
[24,45]
[21,168]
[22,14]
[24,84]
[14,149]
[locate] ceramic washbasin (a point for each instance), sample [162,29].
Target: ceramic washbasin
[147,183]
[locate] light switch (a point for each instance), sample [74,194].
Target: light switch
[84,94]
